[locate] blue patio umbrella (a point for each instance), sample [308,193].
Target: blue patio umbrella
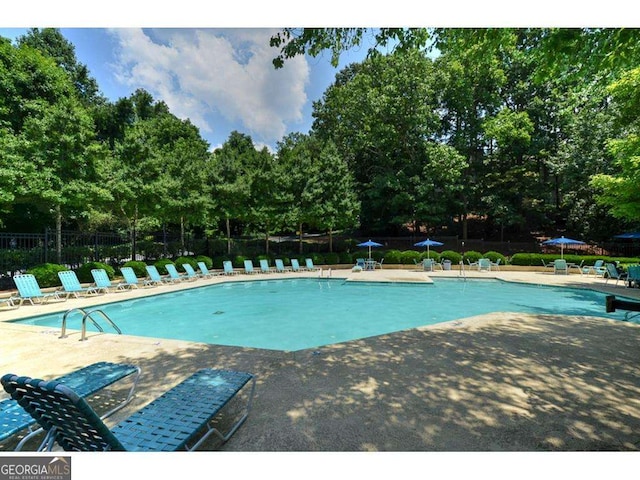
[428,243]
[369,243]
[562,241]
[629,235]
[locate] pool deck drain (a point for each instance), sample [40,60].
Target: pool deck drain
[497,382]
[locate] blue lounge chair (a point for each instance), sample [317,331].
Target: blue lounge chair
[191,273]
[280,268]
[295,266]
[173,421]
[103,283]
[28,289]
[597,269]
[264,266]
[360,262]
[612,272]
[312,268]
[71,285]
[633,276]
[248,267]
[227,267]
[205,271]
[484,265]
[85,381]
[130,278]
[560,267]
[174,276]
[154,276]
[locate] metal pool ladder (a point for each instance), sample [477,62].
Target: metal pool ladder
[87,315]
[462,274]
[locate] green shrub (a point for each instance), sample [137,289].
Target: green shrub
[14,260]
[217,261]
[160,265]
[529,259]
[431,254]
[471,256]
[47,274]
[627,260]
[393,257]
[286,260]
[494,256]
[571,258]
[330,259]
[376,254]
[84,272]
[360,254]
[535,259]
[408,257]
[345,258]
[208,261]
[453,257]
[238,261]
[139,268]
[190,260]
[317,258]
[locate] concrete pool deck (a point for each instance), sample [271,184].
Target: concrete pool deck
[498,382]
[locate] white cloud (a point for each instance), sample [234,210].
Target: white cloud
[198,73]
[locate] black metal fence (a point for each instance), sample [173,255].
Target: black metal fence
[21,251]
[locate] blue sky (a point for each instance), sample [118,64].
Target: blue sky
[212,64]
[221,79]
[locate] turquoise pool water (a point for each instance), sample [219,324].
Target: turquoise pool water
[295,314]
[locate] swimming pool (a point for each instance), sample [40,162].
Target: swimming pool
[295,314]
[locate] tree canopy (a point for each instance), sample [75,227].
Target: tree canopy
[487,133]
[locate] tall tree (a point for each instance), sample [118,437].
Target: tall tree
[331,193]
[619,190]
[380,114]
[314,41]
[52,43]
[230,179]
[52,152]
[319,184]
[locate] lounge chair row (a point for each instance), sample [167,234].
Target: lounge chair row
[227,269]
[180,419]
[29,290]
[265,268]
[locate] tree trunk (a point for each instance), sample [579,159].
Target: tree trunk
[59,234]
[228,236]
[331,240]
[300,239]
[182,243]
[134,234]
[465,226]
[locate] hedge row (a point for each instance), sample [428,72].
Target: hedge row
[47,274]
[536,259]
